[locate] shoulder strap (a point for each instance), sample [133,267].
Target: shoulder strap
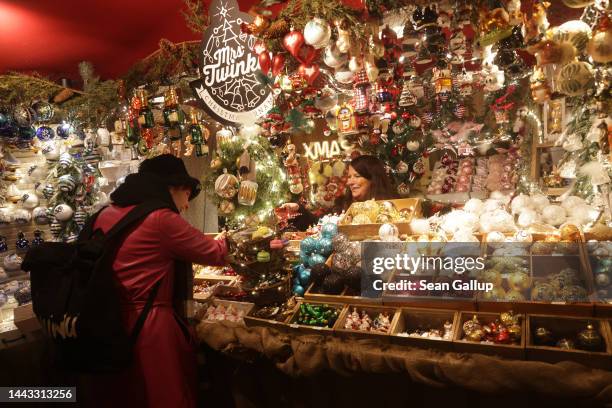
[87,230]
[145,312]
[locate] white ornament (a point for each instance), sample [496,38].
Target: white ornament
[6,216]
[40,215]
[520,203]
[459,220]
[419,226]
[332,57]
[497,220]
[29,200]
[388,232]
[22,216]
[317,33]
[12,263]
[554,215]
[496,237]
[63,212]
[473,205]
[574,78]
[527,217]
[523,236]
[576,32]
[539,201]
[572,201]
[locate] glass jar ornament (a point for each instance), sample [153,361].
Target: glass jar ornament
[226,185]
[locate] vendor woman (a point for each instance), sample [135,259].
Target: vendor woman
[367,180]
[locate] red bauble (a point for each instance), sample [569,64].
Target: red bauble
[264,61]
[374,139]
[293,41]
[306,54]
[503,336]
[309,72]
[405,115]
[393,115]
[394,151]
[278,63]
[259,47]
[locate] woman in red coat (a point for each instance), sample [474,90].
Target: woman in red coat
[164,370]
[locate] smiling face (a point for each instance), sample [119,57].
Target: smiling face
[359,185]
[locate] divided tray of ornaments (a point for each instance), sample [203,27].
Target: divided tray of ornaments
[204,288]
[362,220]
[312,317]
[223,310]
[500,334]
[362,321]
[599,267]
[425,328]
[553,339]
[275,315]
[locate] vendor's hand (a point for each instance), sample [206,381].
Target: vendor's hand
[290,207]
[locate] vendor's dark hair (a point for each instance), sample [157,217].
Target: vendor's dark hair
[372,169]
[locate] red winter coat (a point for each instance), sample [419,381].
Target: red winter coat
[164,370]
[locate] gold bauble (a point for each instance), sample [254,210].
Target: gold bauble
[515,296]
[216,163]
[600,45]
[519,281]
[570,232]
[475,335]
[508,318]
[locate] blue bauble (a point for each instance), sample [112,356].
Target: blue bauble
[298,268]
[326,246]
[315,259]
[26,133]
[329,230]
[296,280]
[298,290]
[4,120]
[44,133]
[305,277]
[304,257]
[602,267]
[62,131]
[308,245]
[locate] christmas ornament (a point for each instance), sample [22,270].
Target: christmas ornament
[80,217]
[278,63]
[344,39]
[44,133]
[590,339]
[600,45]
[332,57]
[226,207]
[21,216]
[226,185]
[43,110]
[413,145]
[63,212]
[40,215]
[22,243]
[317,33]
[38,239]
[29,200]
[48,191]
[55,228]
[3,244]
[576,32]
[264,61]
[574,78]
[310,72]
[388,232]
[247,193]
[543,336]
[293,41]
[66,183]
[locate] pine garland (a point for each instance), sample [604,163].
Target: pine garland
[271,180]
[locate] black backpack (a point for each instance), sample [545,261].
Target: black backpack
[75,296]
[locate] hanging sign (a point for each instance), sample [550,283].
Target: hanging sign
[228,86]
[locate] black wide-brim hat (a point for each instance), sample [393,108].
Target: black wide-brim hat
[171,171]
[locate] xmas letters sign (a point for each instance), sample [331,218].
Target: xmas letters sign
[228,86]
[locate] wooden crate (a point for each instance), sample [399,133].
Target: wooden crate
[314,329]
[568,326]
[372,311]
[513,351]
[343,297]
[25,319]
[252,321]
[603,309]
[412,318]
[12,337]
[365,231]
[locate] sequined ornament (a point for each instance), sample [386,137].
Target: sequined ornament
[38,238]
[62,131]
[22,243]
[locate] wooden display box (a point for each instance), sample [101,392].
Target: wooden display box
[603,309]
[410,319]
[365,231]
[246,307]
[569,327]
[25,319]
[314,329]
[252,321]
[12,337]
[228,282]
[512,351]
[372,311]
